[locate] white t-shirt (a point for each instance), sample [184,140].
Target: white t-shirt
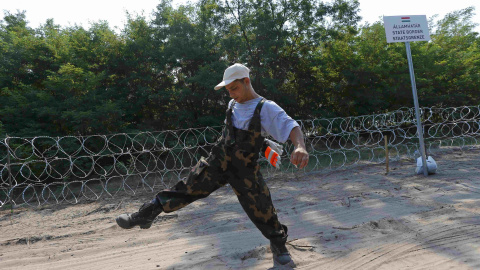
[275,121]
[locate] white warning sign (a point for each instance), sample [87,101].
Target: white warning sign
[406,28]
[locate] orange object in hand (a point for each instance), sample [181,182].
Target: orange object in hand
[272,156]
[271,151]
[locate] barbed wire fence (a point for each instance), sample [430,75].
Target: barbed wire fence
[71,169]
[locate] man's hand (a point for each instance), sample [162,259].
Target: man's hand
[299,156]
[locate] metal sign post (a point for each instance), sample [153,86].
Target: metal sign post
[417,109]
[406,29]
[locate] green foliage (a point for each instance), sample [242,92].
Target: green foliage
[450,64]
[311,57]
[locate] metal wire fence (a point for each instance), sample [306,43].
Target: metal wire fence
[45,170]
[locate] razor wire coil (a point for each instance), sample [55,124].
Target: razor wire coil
[70,169]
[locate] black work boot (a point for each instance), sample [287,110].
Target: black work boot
[279,250]
[144,217]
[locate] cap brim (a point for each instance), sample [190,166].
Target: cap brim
[222,84]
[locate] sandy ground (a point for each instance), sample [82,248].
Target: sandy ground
[354,218]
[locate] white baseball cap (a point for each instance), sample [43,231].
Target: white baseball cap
[232,73]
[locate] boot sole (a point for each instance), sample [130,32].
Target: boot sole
[124,224]
[146,226]
[290,264]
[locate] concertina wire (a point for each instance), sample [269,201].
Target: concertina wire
[52,170]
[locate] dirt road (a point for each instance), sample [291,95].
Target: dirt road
[355,218]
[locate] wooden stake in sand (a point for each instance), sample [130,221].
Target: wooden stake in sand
[386,151]
[9,176]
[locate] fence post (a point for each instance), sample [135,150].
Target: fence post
[386,151]
[9,173]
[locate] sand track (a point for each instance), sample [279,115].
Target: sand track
[356,218]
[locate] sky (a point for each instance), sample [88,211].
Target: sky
[69,13]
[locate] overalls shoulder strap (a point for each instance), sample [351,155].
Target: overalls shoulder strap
[228,131]
[255,122]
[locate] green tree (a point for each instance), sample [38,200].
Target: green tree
[449,65]
[280,41]
[188,45]
[311,57]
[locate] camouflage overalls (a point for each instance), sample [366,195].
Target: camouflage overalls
[234,161]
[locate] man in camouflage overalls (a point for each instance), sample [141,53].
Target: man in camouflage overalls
[232,160]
